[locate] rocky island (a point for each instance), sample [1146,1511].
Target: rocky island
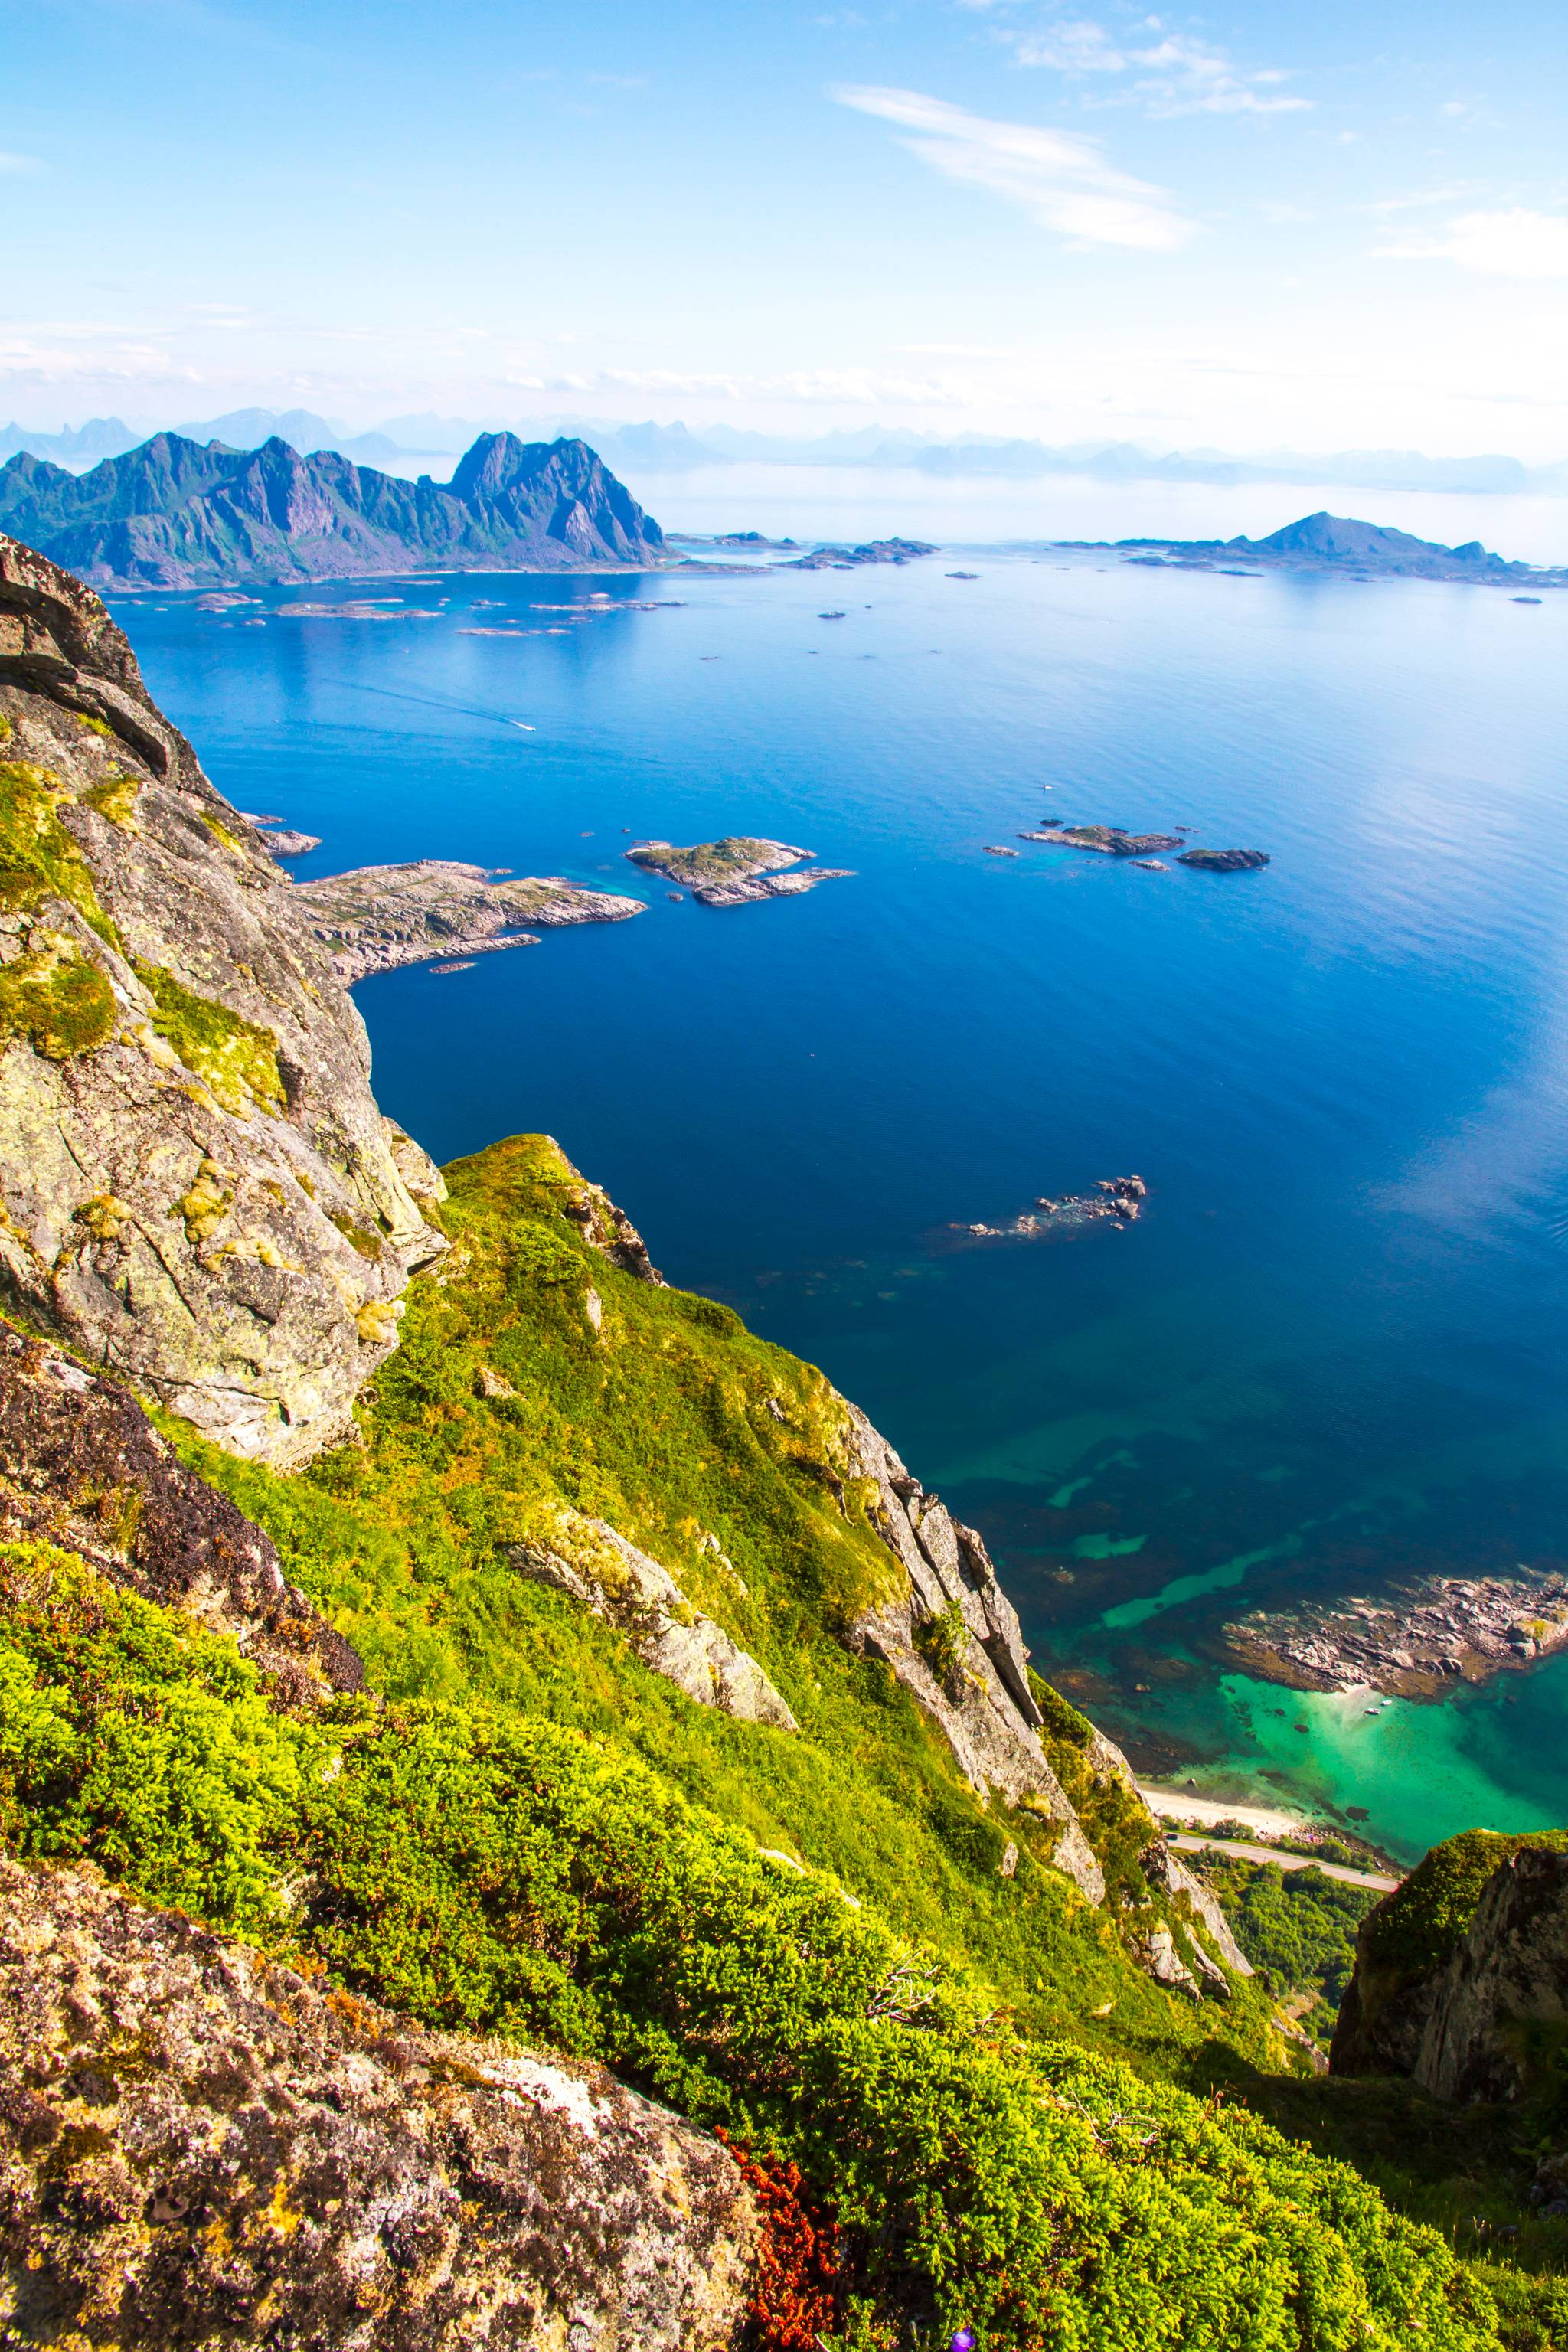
[175,514]
[1427,1638]
[380,917]
[848,559]
[1326,542]
[736,870]
[1106,840]
[1222,861]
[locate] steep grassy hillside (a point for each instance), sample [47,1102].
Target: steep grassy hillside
[804,1938]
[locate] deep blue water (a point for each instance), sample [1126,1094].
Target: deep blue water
[1334,1350]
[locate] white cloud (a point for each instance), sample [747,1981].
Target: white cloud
[1517,243]
[1174,74]
[1062,182]
[10,162]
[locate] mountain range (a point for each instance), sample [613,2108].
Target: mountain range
[677,448]
[174,513]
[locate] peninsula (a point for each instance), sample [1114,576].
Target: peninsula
[176,514]
[736,870]
[380,917]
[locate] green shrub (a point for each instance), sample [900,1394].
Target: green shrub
[513,1877]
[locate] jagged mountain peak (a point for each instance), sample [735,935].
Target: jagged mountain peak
[176,513]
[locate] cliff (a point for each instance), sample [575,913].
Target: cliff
[611,1690]
[1457,1966]
[175,514]
[196,1187]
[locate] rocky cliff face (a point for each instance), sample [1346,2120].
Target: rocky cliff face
[1457,1965]
[175,514]
[1452,1967]
[197,1188]
[83,1468]
[200,2148]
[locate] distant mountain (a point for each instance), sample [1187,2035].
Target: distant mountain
[174,513]
[103,436]
[1326,542]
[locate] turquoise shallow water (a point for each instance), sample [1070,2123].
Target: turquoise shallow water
[1333,1353]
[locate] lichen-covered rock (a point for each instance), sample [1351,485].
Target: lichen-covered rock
[202,2149]
[952,1637]
[612,1579]
[1164,1869]
[82,1467]
[197,1188]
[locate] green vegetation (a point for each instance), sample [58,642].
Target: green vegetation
[56,997]
[1422,1923]
[528,1832]
[709,862]
[1299,1926]
[115,798]
[39,859]
[513,1877]
[234,1058]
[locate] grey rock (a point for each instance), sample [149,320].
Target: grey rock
[612,1579]
[381,917]
[1511,1970]
[82,1467]
[228,1228]
[198,2148]
[985,1710]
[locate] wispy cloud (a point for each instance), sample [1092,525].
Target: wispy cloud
[1515,243]
[1173,75]
[10,162]
[808,387]
[1062,182]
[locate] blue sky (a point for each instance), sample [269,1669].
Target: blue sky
[1264,225]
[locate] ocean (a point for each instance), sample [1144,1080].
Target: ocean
[1331,1353]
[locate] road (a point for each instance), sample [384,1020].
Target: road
[1286,1861]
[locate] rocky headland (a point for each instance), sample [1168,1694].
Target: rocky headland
[378,917]
[1426,1639]
[736,871]
[175,514]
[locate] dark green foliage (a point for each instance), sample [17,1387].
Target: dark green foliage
[515,1877]
[1299,1926]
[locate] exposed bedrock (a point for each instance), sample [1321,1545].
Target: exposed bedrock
[201,2147]
[198,1190]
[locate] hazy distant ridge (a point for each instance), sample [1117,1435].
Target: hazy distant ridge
[672,447]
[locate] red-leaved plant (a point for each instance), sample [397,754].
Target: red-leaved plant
[795,2292]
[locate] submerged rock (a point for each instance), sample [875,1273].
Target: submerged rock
[198,2147]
